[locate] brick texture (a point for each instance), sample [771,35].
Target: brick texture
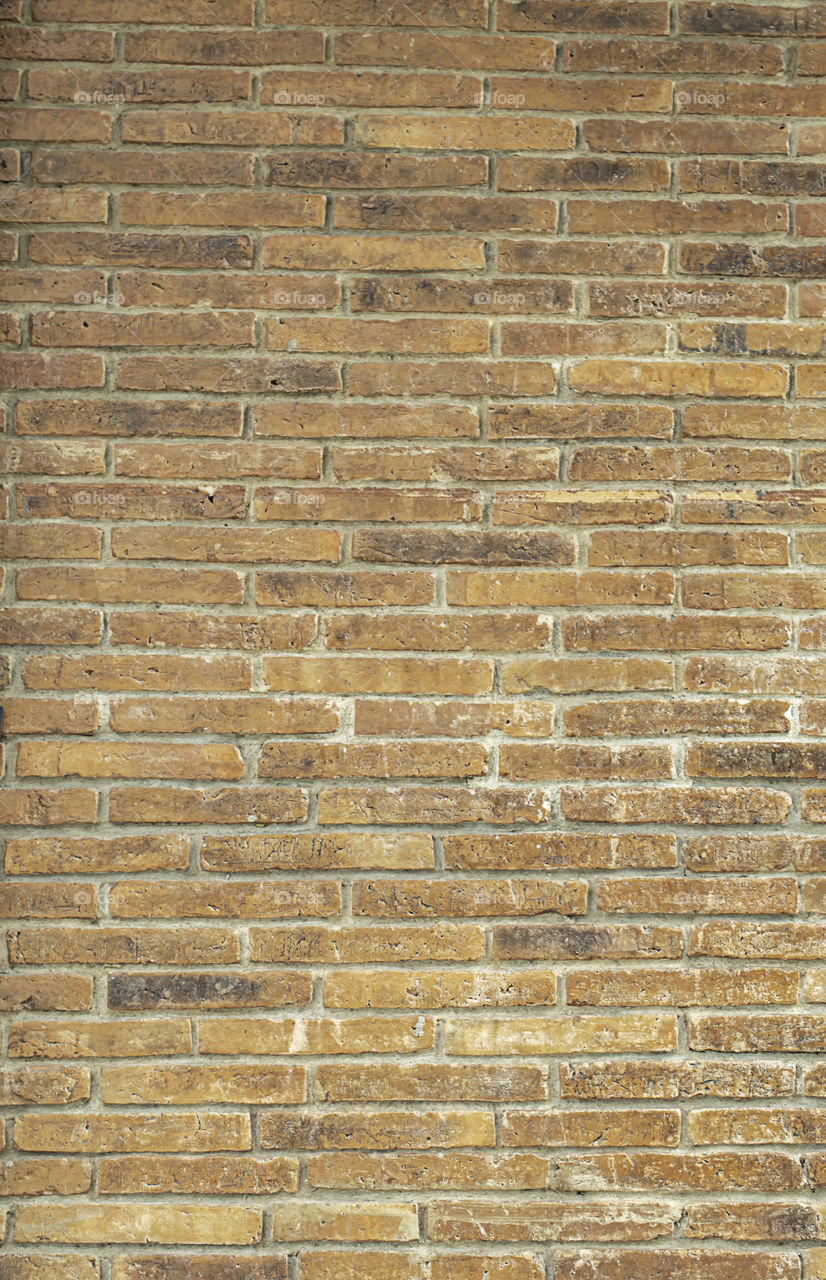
[415,691]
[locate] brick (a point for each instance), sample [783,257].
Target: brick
[372,252]
[137,249]
[366,1130]
[687,987]
[436,213]
[124,502]
[591,1128]
[364,588]
[724,805]
[47,715]
[200,1131]
[463,133]
[163,209]
[561,850]
[753,1125]
[762,1033]
[789,941]
[107,671]
[45,1266]
[632,548]
[578,421]
[158,899]
[23,991]
[136,1224]
[228,48]
[431,805]
[365,504]
[455,718]
[579,675]
[129,586]
[610,463]
[206,991]
[219,715]
[324,1036]
[29,807]
[334,170]
[472,463]
[700,631]
[240,631]
[122,946]
[314,1220]
[585,942]
[49,902]
[419,48]
[368,675]
[678,716]
[236,126]
[163,86]
[363,760]
[688,1264]
[445,631]
[357,944]
[218,1175]
[604,377]
[210,1266]
[311,419]
[91,1040]
[406,852]
[564,762]
[128,760]
[437,990]
[256,375]
[368,89]
[44,1085]
[468,13]
[229,545]
[128,418]
[241,804]
[424,1082]
[622,298]
[546,1221]
[649,1079]
[407,898]
[546,588]
[158,1085]
[584,1033]
[441,1171]
[91,854]
[770,1221]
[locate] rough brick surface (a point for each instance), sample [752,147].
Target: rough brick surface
[415,633]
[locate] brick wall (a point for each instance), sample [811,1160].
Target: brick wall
[414,736]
